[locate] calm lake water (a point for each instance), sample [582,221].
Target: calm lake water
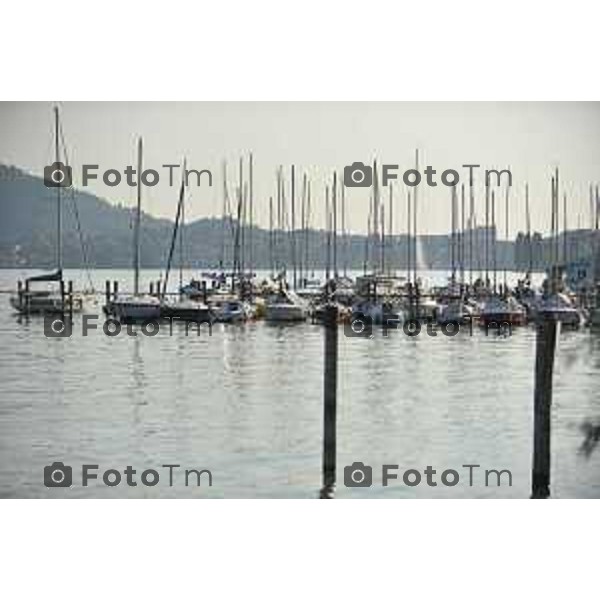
[246,403]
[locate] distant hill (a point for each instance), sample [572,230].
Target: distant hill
[28,236]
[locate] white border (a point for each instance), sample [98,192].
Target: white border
[295,549]
[303,51]
[309,50]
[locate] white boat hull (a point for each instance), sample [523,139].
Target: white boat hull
[285,313]
[134,309]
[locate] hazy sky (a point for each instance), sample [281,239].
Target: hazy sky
[530,138]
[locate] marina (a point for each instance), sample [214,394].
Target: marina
[248,399]
[303,346]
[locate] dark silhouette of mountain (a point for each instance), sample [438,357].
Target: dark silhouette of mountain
[28,236]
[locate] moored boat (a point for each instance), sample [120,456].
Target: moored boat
[48,301]
[187,310]
[286,306]
[28,301]
[455,311]
[233,311]
[379,312]
[130,308]
[498,310]
[560,307]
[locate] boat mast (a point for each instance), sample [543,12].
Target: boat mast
[528,223]
[328,229]
[408,236]
[383,239]
[59,257]
[461,238]
[136,230]
[367,238]
[378,248]
[471,229]
[251,214]
[592,207]
[415,209]
[301,261]
[494,264]
[452,233]
[223,218]
[390,220]
[277,234]
[334,224]
[556,217]
[487,234]
[285,229]
[565,226]
[293,225]
[271,234]
[181,227]
[597,209]
[176,226]
[344,232]
[308,209]
[506,208]
[552,226]
[240,224]
[236,271]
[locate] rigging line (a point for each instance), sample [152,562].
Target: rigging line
[82,243]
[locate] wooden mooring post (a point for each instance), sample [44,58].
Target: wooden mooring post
[70,298]
[62,296]
[27,296]
[542,405]
[20,294]
[330,402]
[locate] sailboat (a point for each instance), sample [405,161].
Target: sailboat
[499,308]
[594,319]
[376,292]
[234,311]
[453,309]
[184,307]
[284,306]
[136,306]
[49,301]
[559,306]
[555,303]
[595,312]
